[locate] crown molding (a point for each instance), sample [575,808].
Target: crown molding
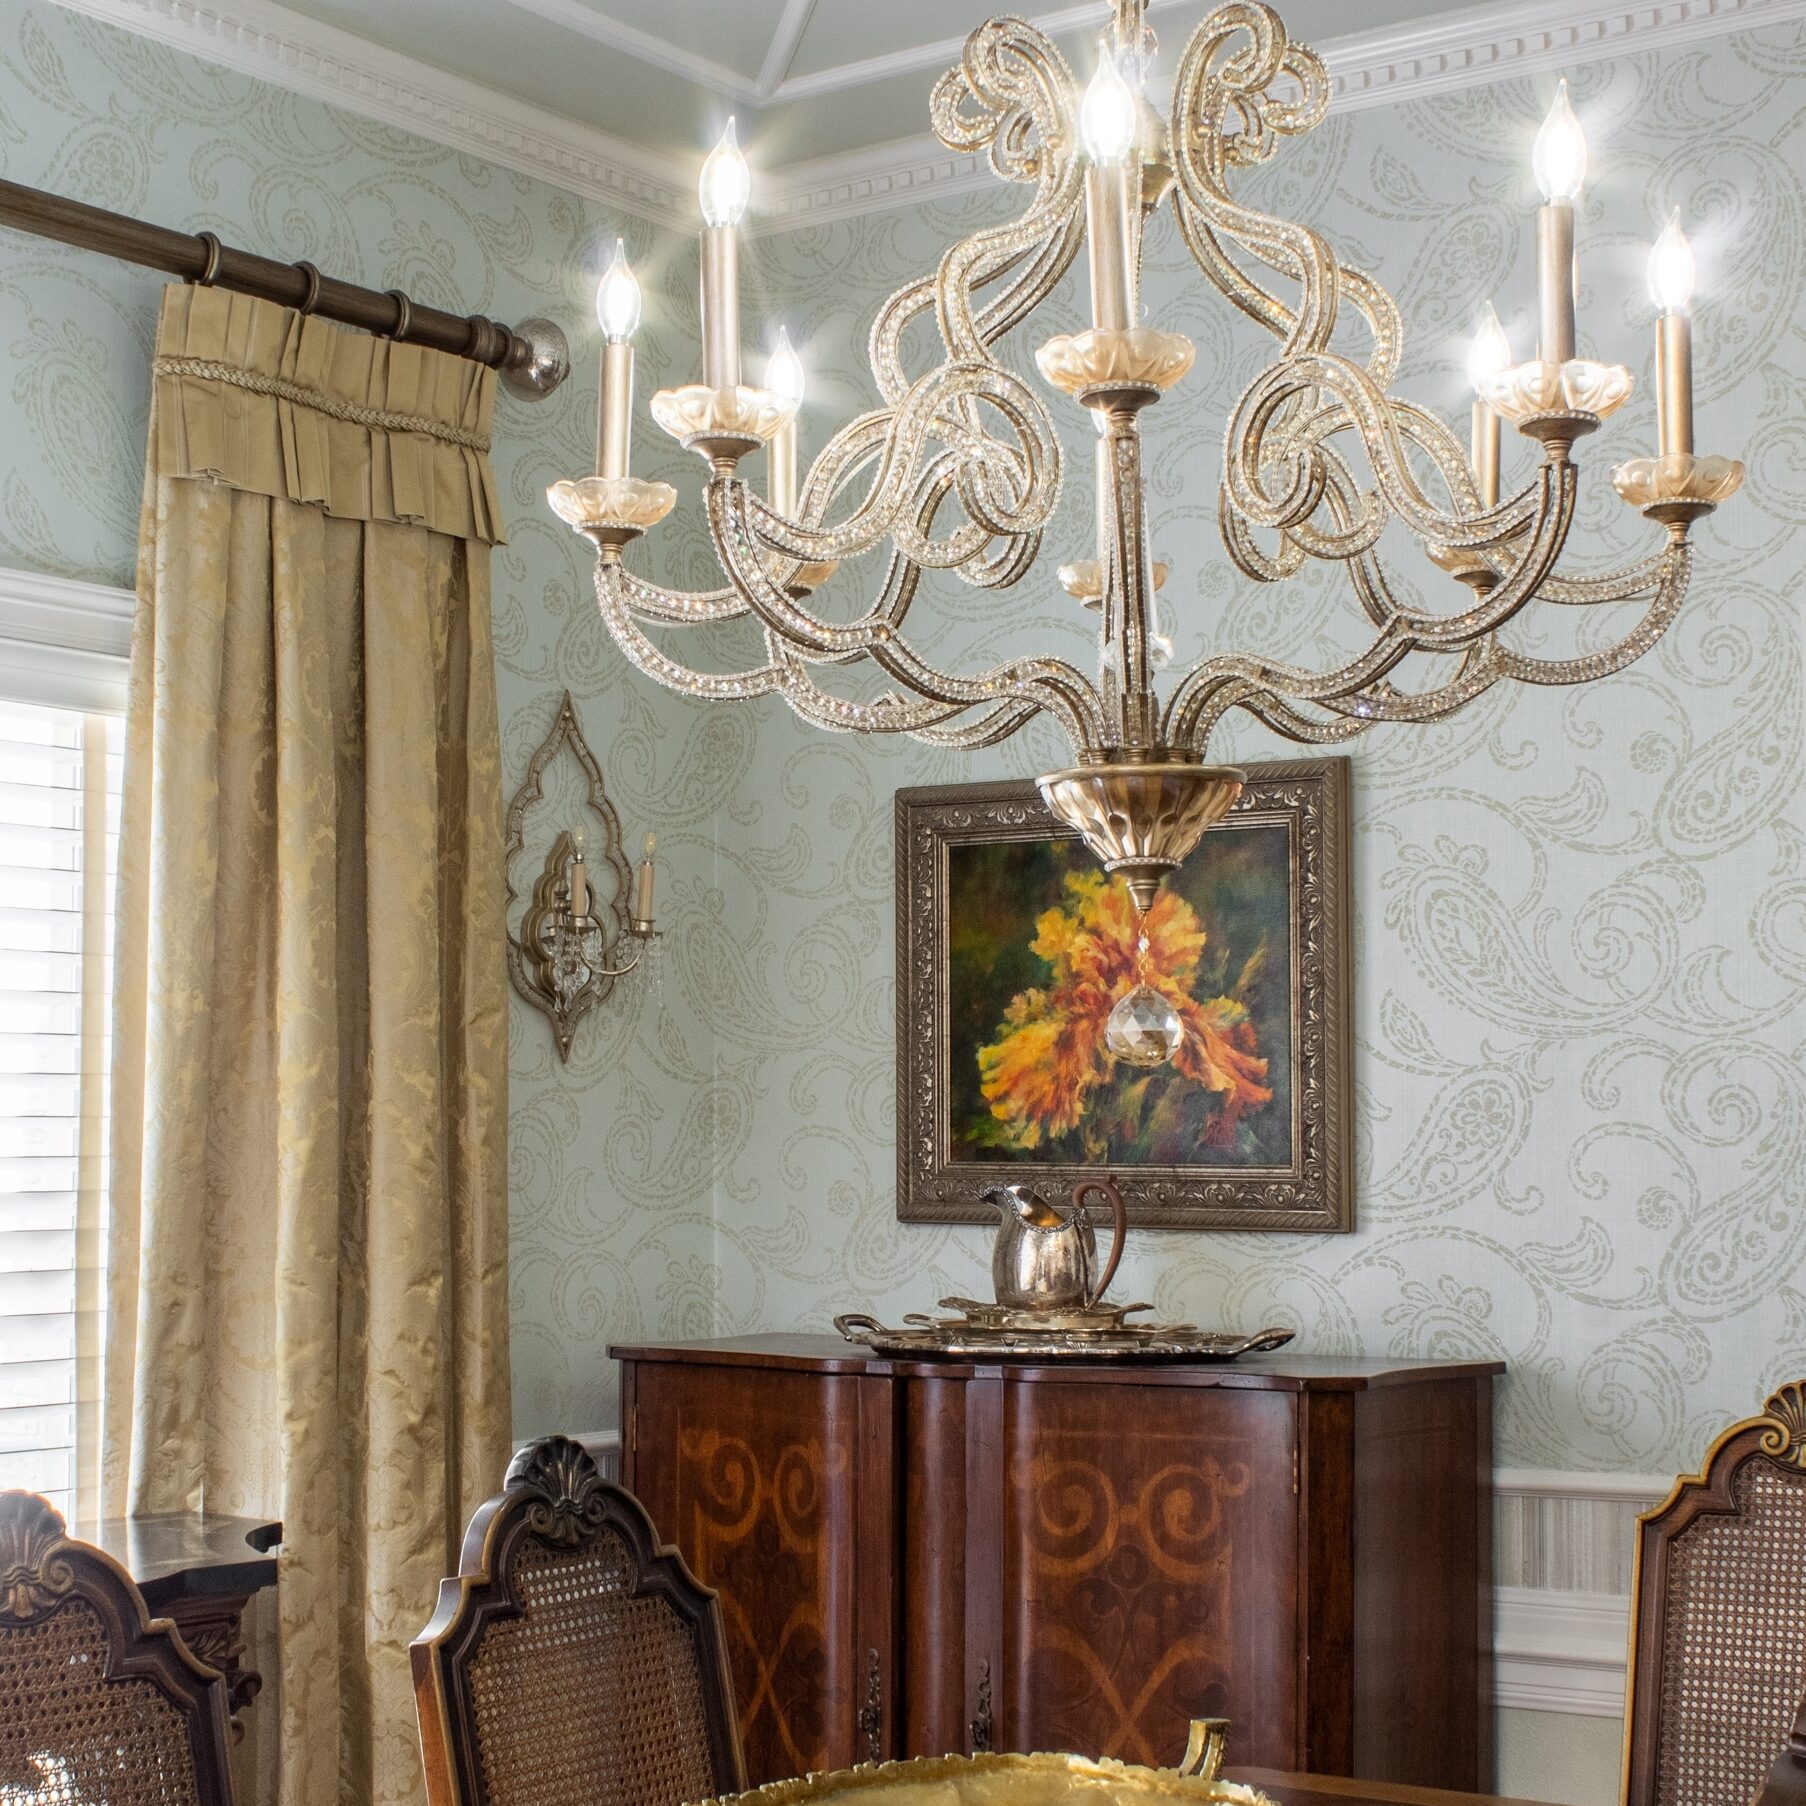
[275,45]
[1368,69]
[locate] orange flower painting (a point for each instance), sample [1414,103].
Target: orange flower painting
[1042,947]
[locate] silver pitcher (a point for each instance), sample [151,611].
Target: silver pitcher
[1045,1260]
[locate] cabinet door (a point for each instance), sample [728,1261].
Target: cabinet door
[1149,1569]
[777,1487]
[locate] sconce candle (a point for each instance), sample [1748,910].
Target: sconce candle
[1489,355]
[578,877]
[618,307]
[1559,159]
[784,378]
[646,878]
[724,191]
[1108,117]
[1671,277]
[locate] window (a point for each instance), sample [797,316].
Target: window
[59,825]
[62,670]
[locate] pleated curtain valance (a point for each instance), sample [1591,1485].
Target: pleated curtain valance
[267,400]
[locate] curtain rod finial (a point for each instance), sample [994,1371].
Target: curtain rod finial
[541,358]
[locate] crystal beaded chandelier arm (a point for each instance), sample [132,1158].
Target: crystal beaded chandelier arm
[959,468]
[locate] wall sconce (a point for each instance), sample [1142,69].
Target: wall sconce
[566,954]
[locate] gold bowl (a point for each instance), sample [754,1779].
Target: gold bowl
[1002,1780]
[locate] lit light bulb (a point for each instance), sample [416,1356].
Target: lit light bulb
[726,184]
[1109,113]
[649,846]
[784,374]
[1671,268]
[1490,352]
[579,842]
[618,299]
[1559,157]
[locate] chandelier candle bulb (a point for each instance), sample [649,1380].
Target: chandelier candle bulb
[1671,285]
[784,378]
[618,306]
[1490,354]
[1108,118]
[1559,160]
[724,190]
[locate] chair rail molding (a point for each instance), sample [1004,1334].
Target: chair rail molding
[64,643]
[1463,49]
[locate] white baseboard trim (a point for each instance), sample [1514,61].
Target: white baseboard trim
[1560,1652]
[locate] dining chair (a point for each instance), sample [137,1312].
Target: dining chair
[99,1702]
[1718,1617]
[573,1660]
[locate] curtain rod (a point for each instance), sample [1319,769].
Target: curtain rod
[533,357]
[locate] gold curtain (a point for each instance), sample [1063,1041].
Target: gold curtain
[308,1239]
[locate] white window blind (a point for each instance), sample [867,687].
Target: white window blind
[59,821]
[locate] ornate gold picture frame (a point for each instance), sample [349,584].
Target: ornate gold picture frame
[1012,947]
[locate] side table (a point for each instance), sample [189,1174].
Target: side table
[200,1572]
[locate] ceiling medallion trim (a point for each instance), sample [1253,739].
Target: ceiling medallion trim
[1368,69]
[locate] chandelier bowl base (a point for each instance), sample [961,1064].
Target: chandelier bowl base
[1678,488]
[611,511]
[1142,819]
[1100,363]
[724,425]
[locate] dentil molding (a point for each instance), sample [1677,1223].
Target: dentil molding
[1456,50]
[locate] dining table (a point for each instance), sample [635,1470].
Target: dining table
[1320,1790]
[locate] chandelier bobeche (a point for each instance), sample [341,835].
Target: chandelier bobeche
[959,468]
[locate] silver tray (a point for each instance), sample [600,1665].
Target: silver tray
[954,1337]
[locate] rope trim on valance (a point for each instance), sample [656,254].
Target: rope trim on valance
[301,396]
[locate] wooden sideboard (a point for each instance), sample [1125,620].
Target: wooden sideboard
[917,1556]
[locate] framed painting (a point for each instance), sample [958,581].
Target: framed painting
[1013,946]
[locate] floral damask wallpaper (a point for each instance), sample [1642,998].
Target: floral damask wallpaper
[1580,917]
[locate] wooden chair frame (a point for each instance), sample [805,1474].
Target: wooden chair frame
[42,1568]
[1779,1436]
[552,1491]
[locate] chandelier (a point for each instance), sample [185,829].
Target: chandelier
[958,468]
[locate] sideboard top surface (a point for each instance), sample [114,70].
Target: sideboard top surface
[1284,1372]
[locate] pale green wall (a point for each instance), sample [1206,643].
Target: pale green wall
[1580,922]
[609,1174]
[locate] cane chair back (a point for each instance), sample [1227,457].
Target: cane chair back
[573,1661]
[100,1704]
[1718,1626]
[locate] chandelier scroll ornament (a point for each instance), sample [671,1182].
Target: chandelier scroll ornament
[958,468]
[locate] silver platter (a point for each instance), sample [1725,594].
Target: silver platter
[965,1336]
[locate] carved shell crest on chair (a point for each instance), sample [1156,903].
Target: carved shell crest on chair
[35,1574]
[1784,1425]
[570,1506]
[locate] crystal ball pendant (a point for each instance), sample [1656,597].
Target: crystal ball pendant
[1144,1029]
